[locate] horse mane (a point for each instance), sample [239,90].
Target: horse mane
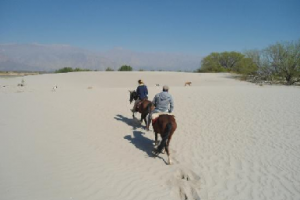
[133,95]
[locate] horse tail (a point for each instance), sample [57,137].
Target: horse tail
[164,140]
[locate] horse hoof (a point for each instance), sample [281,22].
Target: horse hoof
[155,153]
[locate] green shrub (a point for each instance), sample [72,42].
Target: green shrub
[64,70]
[70,69]
[125,68]
[81,70]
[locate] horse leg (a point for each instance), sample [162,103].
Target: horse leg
[156,142]
[145,119]
[167,150]
[168,153]
[142,117]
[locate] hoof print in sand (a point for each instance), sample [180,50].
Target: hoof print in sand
[185,184]
[187,175]
[188,194]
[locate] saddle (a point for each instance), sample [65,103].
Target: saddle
[156,115]
[139,104]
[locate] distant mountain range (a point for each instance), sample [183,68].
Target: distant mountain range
[48,58]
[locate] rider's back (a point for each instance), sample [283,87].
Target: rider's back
[162,102]
[142,91]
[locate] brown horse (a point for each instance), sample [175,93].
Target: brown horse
[165,125]
[144,106]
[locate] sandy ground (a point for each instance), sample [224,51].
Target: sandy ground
[235,140]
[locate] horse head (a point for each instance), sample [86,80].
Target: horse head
[133,96]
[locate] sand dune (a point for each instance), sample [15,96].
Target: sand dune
[235,140]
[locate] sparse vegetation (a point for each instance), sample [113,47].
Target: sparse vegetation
[70,69]
[81,70]
[278,63]
[109,69]
[18,73]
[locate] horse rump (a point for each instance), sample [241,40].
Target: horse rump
[165,125]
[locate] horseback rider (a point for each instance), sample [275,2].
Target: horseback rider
[142,92]
[163,103]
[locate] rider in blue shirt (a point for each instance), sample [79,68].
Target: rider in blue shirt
[142,92]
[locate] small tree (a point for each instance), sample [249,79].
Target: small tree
[221,62]
[125,68]
[284,59]
[259,59]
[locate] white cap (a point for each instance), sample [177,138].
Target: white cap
[165,87]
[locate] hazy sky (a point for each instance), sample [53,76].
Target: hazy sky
[186,26]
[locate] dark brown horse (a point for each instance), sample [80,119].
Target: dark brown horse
[144,106]
[165,125]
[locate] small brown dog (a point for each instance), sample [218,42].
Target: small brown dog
[188,83]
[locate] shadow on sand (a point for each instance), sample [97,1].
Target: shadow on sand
[141,142]
[138,139]
[135,123]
